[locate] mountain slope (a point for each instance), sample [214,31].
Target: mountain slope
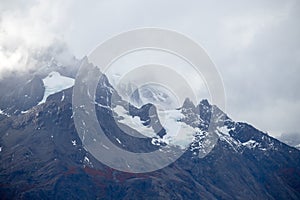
[43,157]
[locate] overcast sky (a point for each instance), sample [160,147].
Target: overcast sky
[254,44]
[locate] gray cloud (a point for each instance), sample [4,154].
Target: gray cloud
[254,44]
[291,139]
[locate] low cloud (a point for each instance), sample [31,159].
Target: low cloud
[291,139]
[28,31]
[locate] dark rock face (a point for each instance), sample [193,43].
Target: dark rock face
[148,114]
[42,156]
[17,96]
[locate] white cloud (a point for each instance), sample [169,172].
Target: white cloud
[26,33]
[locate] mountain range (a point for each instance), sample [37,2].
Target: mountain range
[43,156]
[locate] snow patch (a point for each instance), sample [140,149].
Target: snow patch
[178,133]
[55,83]
[24,112]
[73,142]
[223,133]
[118,141]
[4,113]
[134,122]
[63,97]
[251,144]
[86,159]
[224,130]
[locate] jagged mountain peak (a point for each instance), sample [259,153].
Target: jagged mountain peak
[188,104]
